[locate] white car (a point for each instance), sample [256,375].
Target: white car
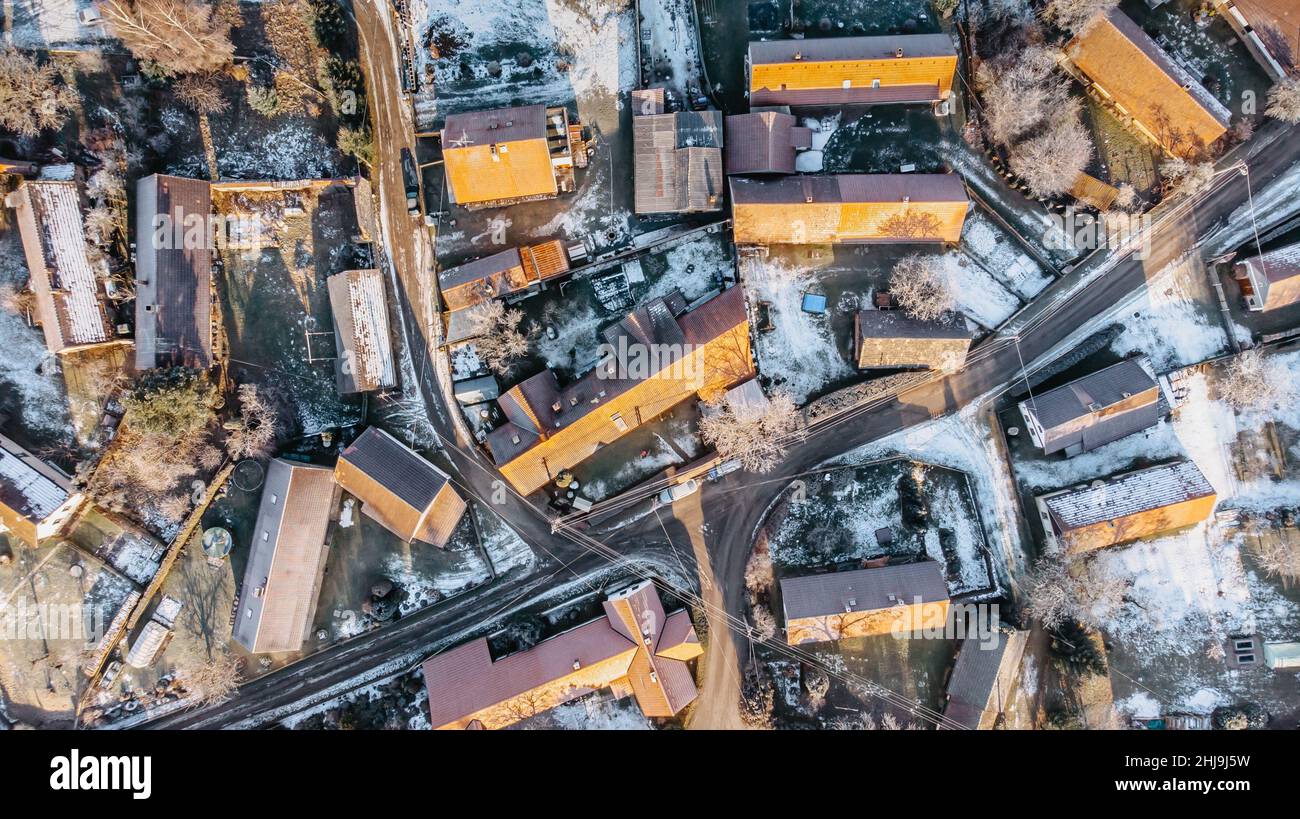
[675,493]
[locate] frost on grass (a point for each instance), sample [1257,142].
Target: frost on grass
[1170,325]
[800,355]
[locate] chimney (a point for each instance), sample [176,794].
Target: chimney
[798,55]
[898,52]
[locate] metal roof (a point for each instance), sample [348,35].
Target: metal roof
[898,324]
[1127,494]
[494,127]
[823,595]
[1095,391]
[833,49]
[838,188]
[982,678]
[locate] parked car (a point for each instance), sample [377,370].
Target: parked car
[675,493]
[411,178]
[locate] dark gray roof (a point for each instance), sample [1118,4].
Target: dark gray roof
[851,48]
[494,127]
[699,129]
[1101,389]
[898,324]
[1127,494]
[173,301]
[480,268]
[394,466]
[860,187]
[822,595]
[975,685]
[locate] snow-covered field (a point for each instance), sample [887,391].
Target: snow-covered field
[801,350]
[575,50]
[1171,322]
[26,367]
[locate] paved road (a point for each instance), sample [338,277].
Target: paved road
[734,507]
[706,535]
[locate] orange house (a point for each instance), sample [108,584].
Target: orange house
[550,429]
[1127,507]
[864,603]
[864,208]
[504,156]
[634,649]
[1133,74]
[852,70]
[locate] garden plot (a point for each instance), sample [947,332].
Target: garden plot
[833,519]
[32,390]
[1174,321]
[274,298]
[1002,257]
[484,55]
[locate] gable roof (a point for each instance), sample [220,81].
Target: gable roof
[677,162]
[763,142]
[494,126]
[173,302]
[70,301]
[287,559]
[1276,265]
[397,487]
[468,689]
[1160,94]
[887,324]
[849,188]
[983,676]
[1127,494]
[33,489]
[361,333]
[851,70]
[823,595]
[1104,388]
[839,49]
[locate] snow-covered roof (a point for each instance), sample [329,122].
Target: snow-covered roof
[1128,494]
[361,332]
[29,486]
[69,299]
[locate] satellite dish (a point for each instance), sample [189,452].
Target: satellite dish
[217,542]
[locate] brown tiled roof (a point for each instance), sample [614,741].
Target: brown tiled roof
[398,488]
[173,302]
[846,96]
[495,126]
[837,49]
[763,142]
[287,559]
[623,648]
[584,421]
[1277,22]
[857,187]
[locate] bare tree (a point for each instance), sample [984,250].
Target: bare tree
[754,435]
[254,434]
[1284,100]
[1076,16]
[32,97]
[1186,177]
[213,680]
[178,36]
[758,569]
[1250,382]
[1020,92]
[498,339]
[912,224]
[1051,162]
[202,93]
[1058,590]
[1278,556]
[764,623]
[922,288]
[1049,593]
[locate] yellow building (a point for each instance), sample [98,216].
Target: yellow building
[867,208]
[1134,75]
[507,155]
[891,339]
[852,70]
[864,603]
[699,352]
[1127,507]
[635,649]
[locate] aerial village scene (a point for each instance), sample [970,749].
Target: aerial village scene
[650,364]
